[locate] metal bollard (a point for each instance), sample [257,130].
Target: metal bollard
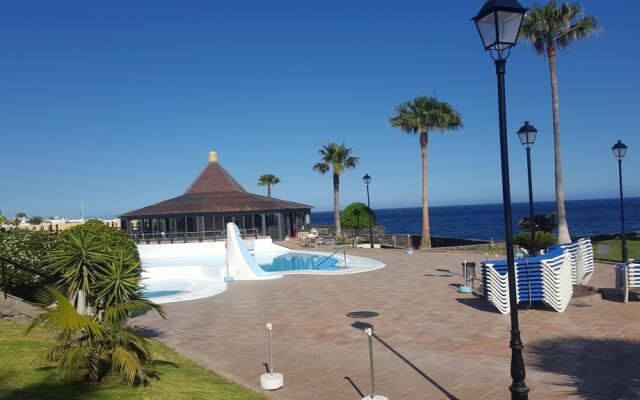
[373,395]
[271,380]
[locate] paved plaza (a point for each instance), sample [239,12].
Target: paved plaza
[431,342]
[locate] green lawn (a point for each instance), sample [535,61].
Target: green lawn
[19,380]
[633,249]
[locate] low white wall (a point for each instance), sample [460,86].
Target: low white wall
[181,249]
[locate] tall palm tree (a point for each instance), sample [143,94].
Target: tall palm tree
[550,28]
[421,116]
[268,180]
[336,158]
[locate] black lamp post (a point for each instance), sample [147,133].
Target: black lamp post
[619,150]
[498,24]
[527,135]
[367,180]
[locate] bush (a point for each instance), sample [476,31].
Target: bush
[101,272]
[357,216]
[543,240]
[543,222]
[30,249]
[110,239]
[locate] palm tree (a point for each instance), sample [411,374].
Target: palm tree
[549,28]
[336,158]
[93,346]
[421,116]
[268,180]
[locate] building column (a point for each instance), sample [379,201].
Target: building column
[200,227]
[280,218]
[264,225]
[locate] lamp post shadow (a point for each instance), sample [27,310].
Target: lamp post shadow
[363,325]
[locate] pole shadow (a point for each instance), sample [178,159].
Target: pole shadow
[363,326]
[355,387]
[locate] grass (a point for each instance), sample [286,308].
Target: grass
[20,380]
[633,249]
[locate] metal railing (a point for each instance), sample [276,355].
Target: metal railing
[171,237]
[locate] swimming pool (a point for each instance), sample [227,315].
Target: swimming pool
[300,262]
[190,271]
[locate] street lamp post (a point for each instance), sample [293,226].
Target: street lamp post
[619,151]
[367,180]
[498,24]
[527,134]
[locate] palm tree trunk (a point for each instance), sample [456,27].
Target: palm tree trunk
[425,243]
[268,190]
[563,228]
[336,204]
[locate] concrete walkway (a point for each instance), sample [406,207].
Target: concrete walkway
[431,342]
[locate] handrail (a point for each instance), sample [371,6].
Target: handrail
[333,254]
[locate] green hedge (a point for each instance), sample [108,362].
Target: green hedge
[31,249]
[111,238]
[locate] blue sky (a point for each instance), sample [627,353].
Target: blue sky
[117,103]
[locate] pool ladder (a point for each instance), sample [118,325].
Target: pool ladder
[344,252]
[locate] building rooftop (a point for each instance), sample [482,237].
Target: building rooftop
[215,191]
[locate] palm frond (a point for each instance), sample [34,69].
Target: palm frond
[425,114]
[336,157]
[321,168]
[126,363]
[551,26]
[121,312]
[268,179]
[63,318]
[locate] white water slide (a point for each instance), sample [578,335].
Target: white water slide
[242,266]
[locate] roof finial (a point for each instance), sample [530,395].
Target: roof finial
[213,157]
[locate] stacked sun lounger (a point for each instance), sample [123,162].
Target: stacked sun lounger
[627,277]
[548,278]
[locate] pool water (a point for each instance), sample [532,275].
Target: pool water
[155,289]
[300,262]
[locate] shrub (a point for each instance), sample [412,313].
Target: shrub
[357,216]
[543,222]
[110,239]
[30,249]
[543,240]
[101,270]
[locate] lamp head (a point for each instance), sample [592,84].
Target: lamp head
[498,23]
[619,150]
[527,134]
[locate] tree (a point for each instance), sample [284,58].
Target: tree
[91,347]
[549,28]
[18,218]
[94,340]
[336,158]
[357,216]
[37,220]
[268,180]
[422,116]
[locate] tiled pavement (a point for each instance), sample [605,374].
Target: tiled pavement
[431,342]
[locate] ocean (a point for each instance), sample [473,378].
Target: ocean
[485,221]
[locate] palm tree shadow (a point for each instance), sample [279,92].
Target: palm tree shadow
[362,326]
[54,390]
[593,367]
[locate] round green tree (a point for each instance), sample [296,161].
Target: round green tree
[357,216]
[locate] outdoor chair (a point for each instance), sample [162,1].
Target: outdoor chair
[627,277]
